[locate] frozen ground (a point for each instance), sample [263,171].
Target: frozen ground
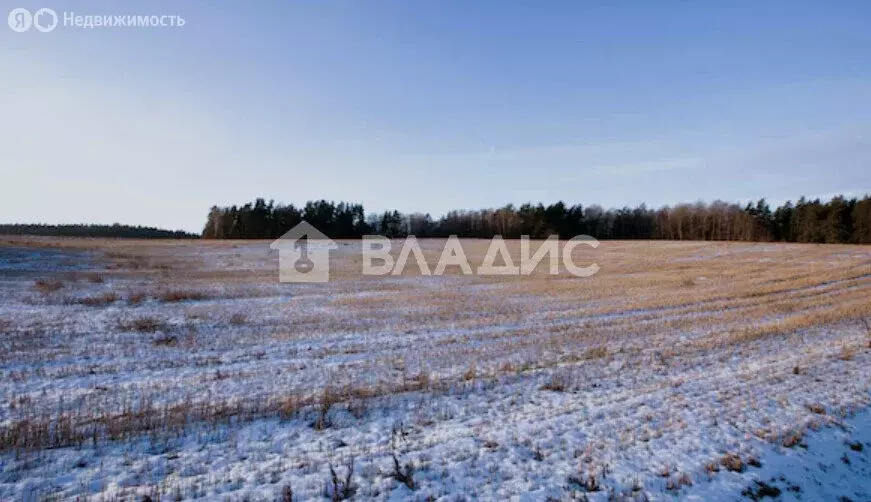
[185,370]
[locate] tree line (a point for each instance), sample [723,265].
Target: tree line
[85,230]
[839,220]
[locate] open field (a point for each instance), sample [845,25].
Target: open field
[184,369]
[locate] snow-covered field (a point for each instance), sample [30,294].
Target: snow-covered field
[185,370]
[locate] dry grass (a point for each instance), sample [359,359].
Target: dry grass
[653,306]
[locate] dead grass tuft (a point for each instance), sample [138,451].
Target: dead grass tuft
[100,300]
[732,463]
[596,352]
[816,408]
[682,480]
[329,397]
[95,278]
[181,296]
[403,475]
[557,383]
[341,489]
[143,324]
[791,439]
[165,341]
[136,298]
[712,468]
[470,372]
[847,353]
[46,286]
[586,482]
[422,379]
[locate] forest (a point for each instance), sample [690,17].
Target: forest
[838,220]
[85,230]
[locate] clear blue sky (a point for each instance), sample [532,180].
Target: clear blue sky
[431,105]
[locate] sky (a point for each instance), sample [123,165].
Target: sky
[431,105]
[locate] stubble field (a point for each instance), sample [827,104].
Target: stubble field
[185,370]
